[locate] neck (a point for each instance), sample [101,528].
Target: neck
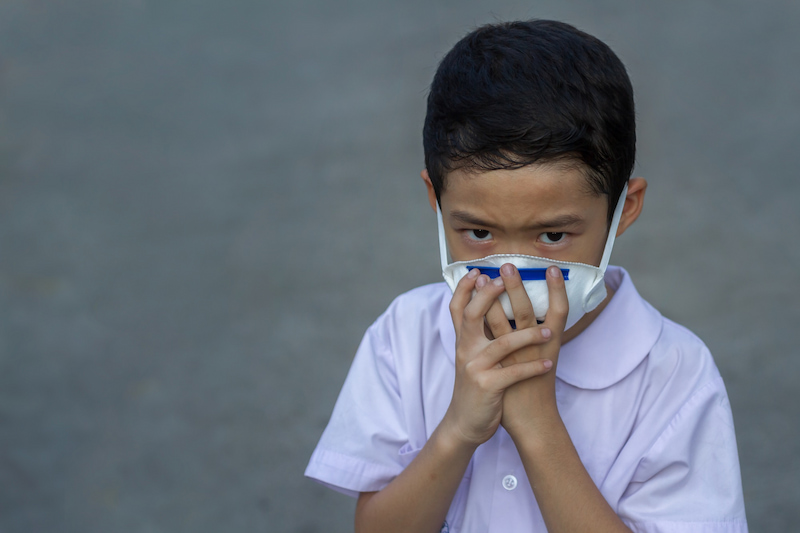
[587,319]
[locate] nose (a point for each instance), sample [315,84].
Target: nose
[514,247]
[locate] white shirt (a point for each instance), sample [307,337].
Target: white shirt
[641,398]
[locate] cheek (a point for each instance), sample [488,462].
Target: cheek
[462,250]
[459,251]
[592,249]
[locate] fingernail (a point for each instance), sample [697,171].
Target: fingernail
[507,269]
[498,281]
[546,333]
[481,282]
[473,273]
[547,363]
[554,272]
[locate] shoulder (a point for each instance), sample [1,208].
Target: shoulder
[681,359]
[426,297]
[415,326]
[396,391]
[421,308]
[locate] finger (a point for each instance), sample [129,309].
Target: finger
[496,320]
[557,313]
[461,297]
[509,375]
[520,302]
[475,311]
[504,346]
[522,356]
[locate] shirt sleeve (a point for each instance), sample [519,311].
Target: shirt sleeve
[691,473]
[365,444]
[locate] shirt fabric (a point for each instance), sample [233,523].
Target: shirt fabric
[640,396]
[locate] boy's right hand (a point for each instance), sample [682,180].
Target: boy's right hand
[476,409]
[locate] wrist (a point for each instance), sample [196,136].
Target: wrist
[537,425]
[452,440]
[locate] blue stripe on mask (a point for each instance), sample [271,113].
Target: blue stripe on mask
[527,274]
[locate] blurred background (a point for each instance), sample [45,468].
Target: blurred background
[203,205]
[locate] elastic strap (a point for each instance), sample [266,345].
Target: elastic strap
[442,240]
[612,231]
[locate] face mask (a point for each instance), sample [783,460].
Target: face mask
[585,286]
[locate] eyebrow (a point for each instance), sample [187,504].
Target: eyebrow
[558,221]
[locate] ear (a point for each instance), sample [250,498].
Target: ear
[634,201]
[431,192]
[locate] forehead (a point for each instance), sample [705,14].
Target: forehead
[527,193]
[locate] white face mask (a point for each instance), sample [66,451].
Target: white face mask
[585,286]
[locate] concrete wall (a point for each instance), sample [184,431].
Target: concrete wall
[204,204]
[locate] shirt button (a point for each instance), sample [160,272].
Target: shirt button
[509,482]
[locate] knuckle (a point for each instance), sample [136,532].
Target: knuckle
[503,343]
[484,382]
[453,307]
[513,371]
[495,323]
[471,314]
[469,367]
[523,315]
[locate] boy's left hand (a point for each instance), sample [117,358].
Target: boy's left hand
[529,403]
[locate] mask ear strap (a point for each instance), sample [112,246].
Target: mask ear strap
[442,240]
[612,231]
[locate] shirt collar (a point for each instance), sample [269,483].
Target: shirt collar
[605,352]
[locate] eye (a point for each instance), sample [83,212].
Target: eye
[479,234]
[552,237]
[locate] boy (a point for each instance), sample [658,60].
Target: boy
[543,393]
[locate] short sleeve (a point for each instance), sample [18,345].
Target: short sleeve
[365,444]
[691,473]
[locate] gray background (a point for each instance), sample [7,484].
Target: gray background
[204,204]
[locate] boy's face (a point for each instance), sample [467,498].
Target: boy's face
[545,210]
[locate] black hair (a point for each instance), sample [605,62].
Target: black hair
[516,93]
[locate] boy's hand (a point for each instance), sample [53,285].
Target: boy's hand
[476,409]
[527,403]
